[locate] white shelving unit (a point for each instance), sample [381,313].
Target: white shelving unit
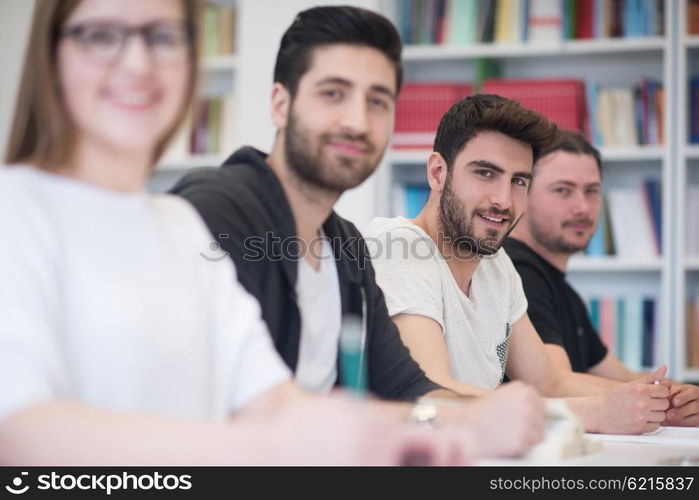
[507,51]
[686,277]
[610,62]
[217,76]
[614,265]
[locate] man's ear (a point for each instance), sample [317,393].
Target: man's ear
[281,102]
[436,172]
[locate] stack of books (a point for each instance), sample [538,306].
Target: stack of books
[218,30]
[469,22]
[627,116]
[628,327]
[560,100]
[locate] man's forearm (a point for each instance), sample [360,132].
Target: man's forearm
[572,384]
[586,408]
[68,434]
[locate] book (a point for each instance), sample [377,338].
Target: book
[619,329]
[633,331]
[648,333]
[545,22]
[419,109]
[585,19]
[692,334]
[461,20]
[415,199]
[652,191]
[631,226]
[597,247]
[694,109]
[560,100]
[692,228]
[593,308]
[693,17]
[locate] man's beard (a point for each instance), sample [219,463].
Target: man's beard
[459,233]
[304,156]
[556,244]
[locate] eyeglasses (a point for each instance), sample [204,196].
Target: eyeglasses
[168,42]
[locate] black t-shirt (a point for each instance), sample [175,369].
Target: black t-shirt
[556,310]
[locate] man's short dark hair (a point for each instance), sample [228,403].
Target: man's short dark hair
[574,142]
[483,112]
[322,26]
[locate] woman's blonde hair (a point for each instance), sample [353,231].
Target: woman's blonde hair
[43,132]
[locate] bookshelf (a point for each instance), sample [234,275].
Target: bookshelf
[611,264]
[609,62]
[217,71]
[686,286]
[514,50]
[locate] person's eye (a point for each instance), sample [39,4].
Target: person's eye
[593,192]
[379,103]
[562,190]
[167,37]
[521,181]
[484,172]
[332,94]
[103,36]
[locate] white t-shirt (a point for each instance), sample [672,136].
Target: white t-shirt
[318,297]
[106,301]
[417,280]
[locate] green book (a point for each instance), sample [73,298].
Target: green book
[462,16]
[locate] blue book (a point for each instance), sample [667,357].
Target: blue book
[650,17]
[592,91]
[652,191]
[648,332]
[524,21]
[415,199]
[404,16]
[597,18]
[597,246]
[594,313]
[694,108]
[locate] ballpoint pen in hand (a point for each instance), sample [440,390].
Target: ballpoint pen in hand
[353,374]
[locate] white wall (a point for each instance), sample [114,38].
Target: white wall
[15,17]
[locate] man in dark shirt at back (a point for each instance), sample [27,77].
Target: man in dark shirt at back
[562,213]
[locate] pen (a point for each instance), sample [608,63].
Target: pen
[352,349]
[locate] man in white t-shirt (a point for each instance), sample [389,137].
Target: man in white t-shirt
[455,295]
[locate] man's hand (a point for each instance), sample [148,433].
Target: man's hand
[684,406]
[504,423]
[340,430]
[635,407]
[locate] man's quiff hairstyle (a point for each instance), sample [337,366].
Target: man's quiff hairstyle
[332,25]
[487,112]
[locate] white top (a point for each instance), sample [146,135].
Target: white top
[106,301]
[416,280]
[318,298]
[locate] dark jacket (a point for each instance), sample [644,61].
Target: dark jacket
[248,213]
